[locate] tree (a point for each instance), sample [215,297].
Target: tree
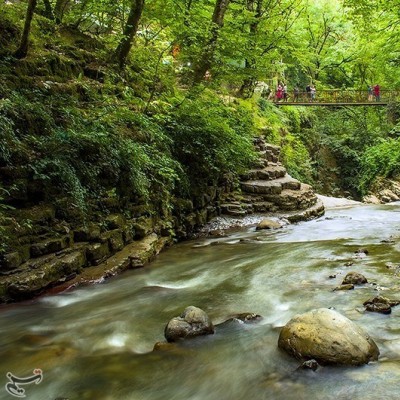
[59,9]
[266,35]
[205,61]
[130,31]
[48,11]
[22,50]
[249,83]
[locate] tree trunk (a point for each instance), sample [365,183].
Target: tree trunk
[59,9]
[206,59]
[186,18]
[130,30]
[22,50]
[48,11]
[250,81]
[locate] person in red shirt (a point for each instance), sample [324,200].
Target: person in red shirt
[377,92]
[279,93]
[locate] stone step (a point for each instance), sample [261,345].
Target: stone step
[290,200]
[261,187]
[52,245]
[314,211]
[271,157]
[264,206]
[236,209]
[268,155]
[273,149]
[260,163]
[288,182]
[228,207]
[267,173]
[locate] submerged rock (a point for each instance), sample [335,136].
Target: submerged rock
[242,318]
[309,364]
[354,278]
[348,286]
[164,346]
[328,337]
[268,224]
[248,317]
[380,304]
[192,322]
[379,308]
[362,251]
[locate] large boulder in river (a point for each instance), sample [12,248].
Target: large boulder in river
[328,337]
[192,322]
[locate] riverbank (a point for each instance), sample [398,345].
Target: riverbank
[56,255]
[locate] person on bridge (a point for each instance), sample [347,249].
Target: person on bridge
[308,92]
[377,92]
[285,93]
[279,93]
[370,93]
[313,93]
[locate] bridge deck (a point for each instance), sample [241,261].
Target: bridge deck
[336,98]
[325,104]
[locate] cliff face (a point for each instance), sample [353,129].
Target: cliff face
[383,191]
[49,249]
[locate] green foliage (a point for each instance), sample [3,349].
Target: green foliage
[296,159]
[87,161]
[210,137]
[28,109]
[380,161]
[143,133]
[336,141]
[3,220]
[8,140]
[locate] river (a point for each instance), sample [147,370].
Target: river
[96,342]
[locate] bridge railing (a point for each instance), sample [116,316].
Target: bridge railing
[339,96]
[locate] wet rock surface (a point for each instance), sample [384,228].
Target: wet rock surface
[380,304]
[327,337]
[242,318]
[191,323]
[310,365]
[354,278]
[348,286]
[268,224]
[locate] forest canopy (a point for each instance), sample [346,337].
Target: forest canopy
[333,44]
[97,96]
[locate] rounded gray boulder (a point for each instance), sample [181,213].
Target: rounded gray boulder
[192,322]
[328,337]
[354,278]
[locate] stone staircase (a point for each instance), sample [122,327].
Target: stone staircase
[268,188]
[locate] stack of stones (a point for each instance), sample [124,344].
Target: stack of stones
[268,188]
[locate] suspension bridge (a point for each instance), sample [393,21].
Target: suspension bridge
[337,98]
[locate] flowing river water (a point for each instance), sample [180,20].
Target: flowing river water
[96,342]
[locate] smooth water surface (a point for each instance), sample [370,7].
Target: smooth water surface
[96,342]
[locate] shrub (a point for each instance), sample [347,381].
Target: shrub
[382,160]
[210,138]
